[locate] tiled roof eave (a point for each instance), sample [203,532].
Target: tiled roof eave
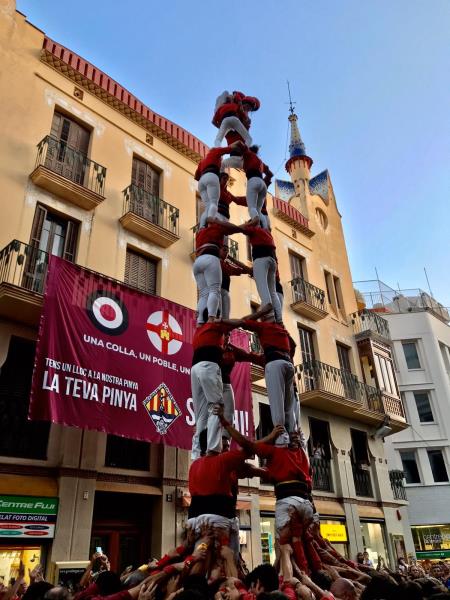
[172,134]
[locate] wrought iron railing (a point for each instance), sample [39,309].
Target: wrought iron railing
[321,474]
[57,156]
[316,375]
[24,266]
[367,320]
[151,208]
[233,246]
[363,482]
[303,291]
[393,406]
[397,484]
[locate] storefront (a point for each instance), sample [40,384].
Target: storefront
[431,542]
[27,526]
[335,531]
[373,533]
[267,525]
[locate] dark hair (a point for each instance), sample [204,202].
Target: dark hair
[380,586]
[196,583]
[135,578]
[322,579]
[108,583]
[267,576]
[410,590]
[58,592]
[254,148]
[37,591]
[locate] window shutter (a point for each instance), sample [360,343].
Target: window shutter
[38,223]
[145,177]
[296,263]
[70,243]
[140,272]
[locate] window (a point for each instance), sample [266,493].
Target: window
[423,407]
[344,357]
[385,374]
[329,287]
[140,272]
[54,234]
[437,465]
[67,157]
[445,351]
[145,177]
[411,355]
[410,468]
[338,292]
[360,449]
[20,438]
[308,356]
[265,421]
[123,453]
[297,264]
[319,439]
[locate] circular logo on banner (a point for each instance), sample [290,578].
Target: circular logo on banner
[107,312]
[164,332]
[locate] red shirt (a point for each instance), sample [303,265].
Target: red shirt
[271,335]
[284,464]
[228,109]
[210,334]
[227,198]
[233,136]
[212,475]
[211,234]
[252,162]
[212,159]
[259,236]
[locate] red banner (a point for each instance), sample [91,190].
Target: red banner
[113,359]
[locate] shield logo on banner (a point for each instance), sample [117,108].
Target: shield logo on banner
[164,332]
[162,408]
[107,312]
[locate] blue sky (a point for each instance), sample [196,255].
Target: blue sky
[371,81]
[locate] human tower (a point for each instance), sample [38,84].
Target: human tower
[215,470]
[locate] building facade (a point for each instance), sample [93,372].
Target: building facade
[93,175]
[421,340]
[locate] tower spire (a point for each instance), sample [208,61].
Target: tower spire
[297,151]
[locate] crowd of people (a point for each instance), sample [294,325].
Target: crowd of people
[187,573]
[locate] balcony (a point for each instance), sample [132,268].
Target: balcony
[339,392]
[150,217]
[321,474]
[23,271]
[69,174]
[397,484]
[308,300]
[233,247]
[290,215]
[369,324]
[363,482]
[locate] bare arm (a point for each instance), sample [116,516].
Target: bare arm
[272,436]
[245,443]
[225,225]
[263,310]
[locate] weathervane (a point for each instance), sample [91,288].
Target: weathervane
[291,104]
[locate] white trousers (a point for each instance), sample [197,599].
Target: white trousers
[229,527]
[228,406]
[285,507]
[264,271]
[279,375]
[265,221]
[208,276]
[207,390]
[224,303]
[256,194]
[233,162]
[209,190]
[232,124]
[281,299]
